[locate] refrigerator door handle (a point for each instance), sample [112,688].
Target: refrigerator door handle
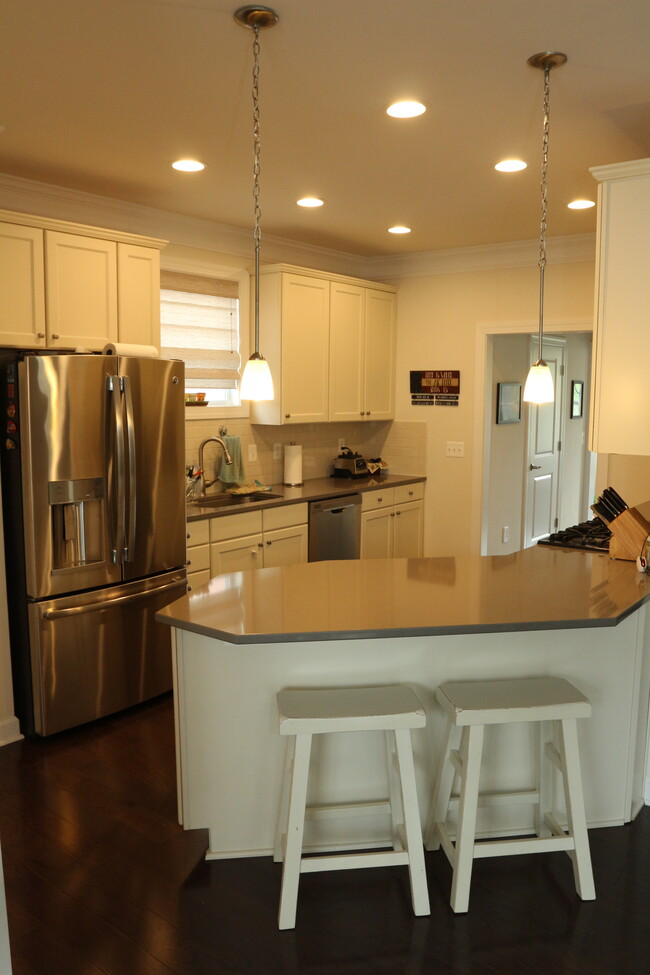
[118,528]
[131,496]
[57,614]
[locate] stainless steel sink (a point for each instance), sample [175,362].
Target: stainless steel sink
[226,500]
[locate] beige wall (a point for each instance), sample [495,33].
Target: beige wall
[439,320]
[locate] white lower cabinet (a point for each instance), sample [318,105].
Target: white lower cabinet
[392,522]
[258,539]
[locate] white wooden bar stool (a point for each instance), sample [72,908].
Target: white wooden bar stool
[469,706]
[394,709]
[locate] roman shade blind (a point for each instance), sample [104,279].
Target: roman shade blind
[199,323]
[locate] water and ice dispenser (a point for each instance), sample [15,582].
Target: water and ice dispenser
[77,518]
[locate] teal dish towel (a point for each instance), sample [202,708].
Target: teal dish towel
[232,473]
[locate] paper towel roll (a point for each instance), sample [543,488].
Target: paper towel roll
[121,348]
[292,465]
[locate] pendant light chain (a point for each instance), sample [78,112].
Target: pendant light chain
[257,232]
[544,189]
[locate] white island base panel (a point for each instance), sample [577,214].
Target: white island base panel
[230,756]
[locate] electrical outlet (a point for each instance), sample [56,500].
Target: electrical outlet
[252,451]
[277,451]
[505,533]
[455,448]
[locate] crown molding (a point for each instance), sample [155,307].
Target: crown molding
[487,257]
[636,167]
[60,203]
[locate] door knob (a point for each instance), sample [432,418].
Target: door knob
[535,467]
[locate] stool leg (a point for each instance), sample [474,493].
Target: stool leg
[471,750]
[444,782]
[580,856]
[284,798]
[544,775]
[412,828]
[394,791]
[295,829]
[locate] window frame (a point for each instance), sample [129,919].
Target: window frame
[242,277]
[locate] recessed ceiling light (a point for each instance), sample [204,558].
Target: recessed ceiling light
[399,230]
[310,201]
[406,109]
[511,165]
[581,204]
[188,165]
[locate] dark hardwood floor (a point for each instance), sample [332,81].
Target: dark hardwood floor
[102,881]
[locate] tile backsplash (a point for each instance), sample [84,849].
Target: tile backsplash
[401,444]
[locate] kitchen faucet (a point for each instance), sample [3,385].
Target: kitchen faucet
[226,456]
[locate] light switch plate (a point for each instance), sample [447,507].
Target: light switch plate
[252,451]
[455,448]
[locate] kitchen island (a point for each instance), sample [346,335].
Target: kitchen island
[245,635]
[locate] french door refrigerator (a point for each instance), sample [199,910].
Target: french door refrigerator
[94,519]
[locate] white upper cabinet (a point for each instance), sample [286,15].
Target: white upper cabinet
[622,327]
[22,286]
[67,286]
[81,291]
[330,343]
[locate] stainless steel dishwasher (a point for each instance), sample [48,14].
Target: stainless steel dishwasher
[335,528]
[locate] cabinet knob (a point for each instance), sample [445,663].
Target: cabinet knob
[188,535]
[287,416]
[392,514]
[398,513]
[367,412]
[55,336]
[362,413]
[410,494]
[269,543]
[189,562]
[260,545]
[40,335]
[254,552]
[379,499]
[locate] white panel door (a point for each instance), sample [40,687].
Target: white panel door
[22,294]
[543,462]
[377,533]
[347,329]
[305,349]
[138,294]
[379,394]
[286,546]
[81,290]
[236,554]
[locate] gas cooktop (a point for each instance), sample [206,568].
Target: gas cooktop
[592,536]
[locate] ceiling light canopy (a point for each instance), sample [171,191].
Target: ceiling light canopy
[399,230]
[188,165]
[539,384]
[310,202]
[256,381]
[511,165]
[581,204]
[406,109]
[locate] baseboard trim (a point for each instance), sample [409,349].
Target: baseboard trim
[9,731]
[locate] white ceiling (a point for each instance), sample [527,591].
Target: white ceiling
[101,96]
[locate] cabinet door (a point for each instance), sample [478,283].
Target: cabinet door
[377,533]
[197,579]
[22,295]
[347,330]
[236,554]
[286,546]
[138,294]
[81,290]
[305,349]
[408,530]
[379,359]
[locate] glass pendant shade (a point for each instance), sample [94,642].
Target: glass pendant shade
[256,381]
[539,384]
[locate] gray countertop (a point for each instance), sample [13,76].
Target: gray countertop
[537,589]
[316,489]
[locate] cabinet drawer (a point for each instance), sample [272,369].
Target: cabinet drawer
[285,516]
[197,579]
[198,557]
[377,499]
[232,526]
[409,492]
[198,532]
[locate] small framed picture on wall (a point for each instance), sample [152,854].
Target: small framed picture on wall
[577,390]
[508,402]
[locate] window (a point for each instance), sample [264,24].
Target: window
[199,323]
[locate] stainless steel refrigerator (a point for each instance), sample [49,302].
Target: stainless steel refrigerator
[94,516]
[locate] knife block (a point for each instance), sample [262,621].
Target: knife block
[629,533]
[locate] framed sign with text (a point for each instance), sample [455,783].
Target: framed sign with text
[435,387]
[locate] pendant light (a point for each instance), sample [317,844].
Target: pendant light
[256,381]
[539,384]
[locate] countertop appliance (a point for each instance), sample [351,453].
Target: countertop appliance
[350,464]
[335,528]
[94,519]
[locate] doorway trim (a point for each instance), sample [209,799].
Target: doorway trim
[485,332]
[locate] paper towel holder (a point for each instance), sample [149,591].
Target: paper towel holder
[293,469]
